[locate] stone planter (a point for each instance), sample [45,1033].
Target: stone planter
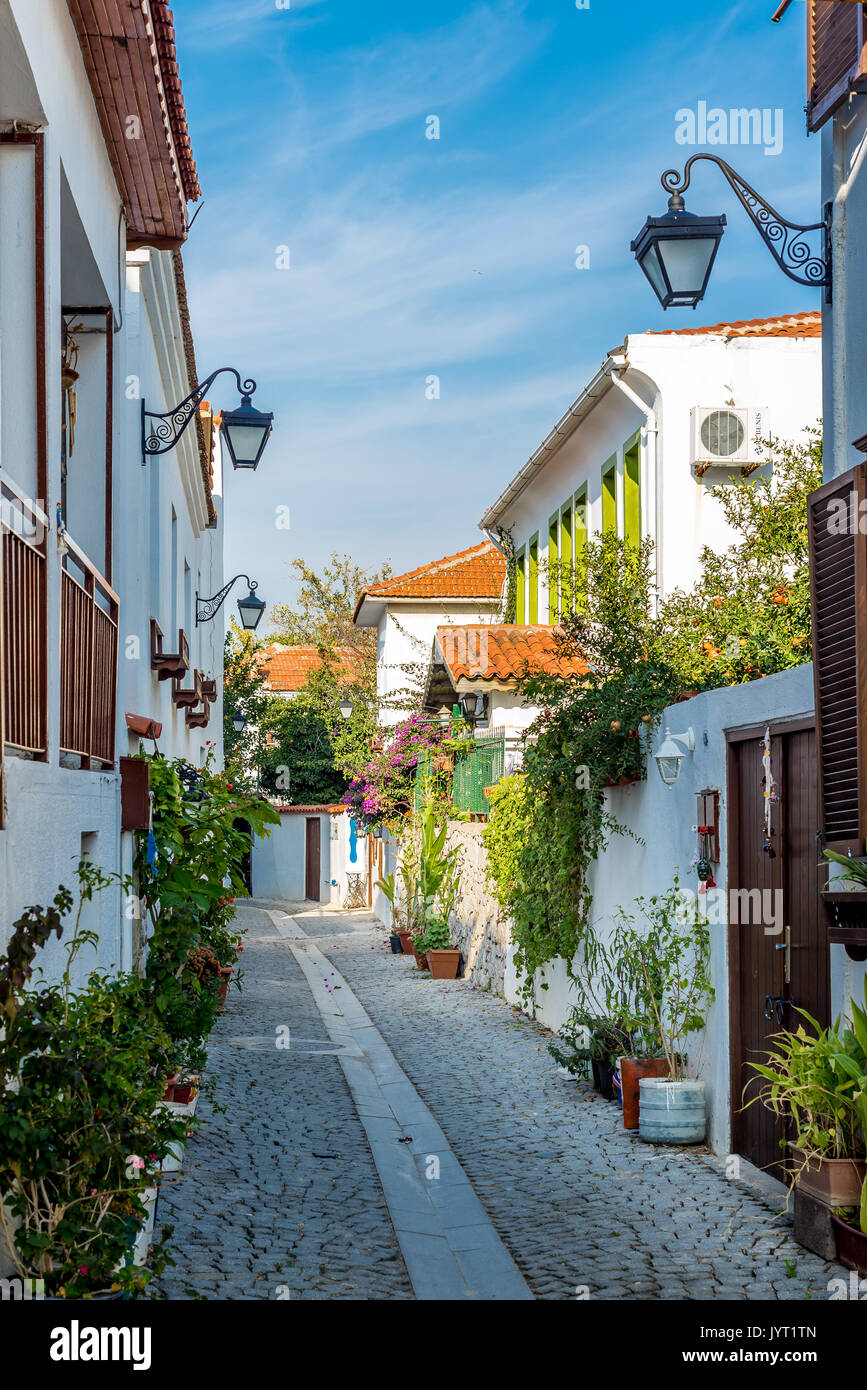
[444,965]
[835,1181]
[632,1069]
[671,1112]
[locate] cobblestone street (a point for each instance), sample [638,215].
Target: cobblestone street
[284,1195]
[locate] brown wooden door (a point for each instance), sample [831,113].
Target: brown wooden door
[311,889]
[788,885]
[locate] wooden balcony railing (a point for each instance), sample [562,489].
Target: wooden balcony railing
[23,681]
[88,659]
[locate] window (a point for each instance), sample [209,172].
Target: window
[632,489]
[553,569]
[609,496]
[533,578]
[521,587]
[581,520]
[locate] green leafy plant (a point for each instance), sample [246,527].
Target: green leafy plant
[666,953]
[854,870]
[588,1037]
[80,1128]
[818,1081]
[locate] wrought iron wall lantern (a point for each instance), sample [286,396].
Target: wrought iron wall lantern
[250,608]
[244,431]
[677,251]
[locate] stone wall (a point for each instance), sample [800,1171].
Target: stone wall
[477,926]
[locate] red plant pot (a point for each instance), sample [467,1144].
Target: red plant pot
[632,1069]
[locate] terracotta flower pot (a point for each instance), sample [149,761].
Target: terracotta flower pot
[444,965]
[632,1069]
[851,1246]
[835,1181]
[421,960]
[406,942]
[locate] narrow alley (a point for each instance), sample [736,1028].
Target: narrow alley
[415,1139]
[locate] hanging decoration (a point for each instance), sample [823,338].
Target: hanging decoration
[769,790]
[702,860]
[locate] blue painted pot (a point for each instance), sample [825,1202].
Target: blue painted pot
[672,1112]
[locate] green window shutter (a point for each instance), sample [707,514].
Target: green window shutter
[533,578]
[609,496]
[521,587]
[553,570]
[632,489]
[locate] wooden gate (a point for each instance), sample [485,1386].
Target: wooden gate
[766,893]
[311,889]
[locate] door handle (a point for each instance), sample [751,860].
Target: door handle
[786,945]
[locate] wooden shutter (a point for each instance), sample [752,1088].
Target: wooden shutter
[838,587]
[835,55]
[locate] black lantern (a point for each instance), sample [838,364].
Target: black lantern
[473,706]
[239,722]
[246,432]
[251,609]
[676,253]
[345,707]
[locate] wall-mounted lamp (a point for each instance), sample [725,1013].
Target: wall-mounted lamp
[677,251]
[250,608]
[239,722]
[473,706]
[346,707]
[669,755]
[245,431]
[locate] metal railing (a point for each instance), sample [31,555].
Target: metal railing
[481,766]
[88,658]
[23,687]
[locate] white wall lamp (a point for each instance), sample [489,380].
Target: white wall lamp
[670,754]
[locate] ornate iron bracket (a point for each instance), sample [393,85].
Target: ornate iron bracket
[165,435]
[787,241]
[208,608]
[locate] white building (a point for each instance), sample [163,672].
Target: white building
[102,549]
[667,416]
[407,609]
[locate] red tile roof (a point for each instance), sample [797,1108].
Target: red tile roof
[806,325]
[285,810]
[504,651]
[479,572]
[164,29]
[287,668]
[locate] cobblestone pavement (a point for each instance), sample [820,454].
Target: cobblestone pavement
[282,1198]
[578,1201]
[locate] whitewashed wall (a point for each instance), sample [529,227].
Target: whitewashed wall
[672,374]
[279,862]
[405,633]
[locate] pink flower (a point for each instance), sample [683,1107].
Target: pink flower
[82,1269]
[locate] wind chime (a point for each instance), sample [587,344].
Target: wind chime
[68,377]
[769,790]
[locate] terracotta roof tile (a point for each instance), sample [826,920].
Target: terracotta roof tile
[806,325]
[332,808]
[504,651]
[475,573]
[287,668]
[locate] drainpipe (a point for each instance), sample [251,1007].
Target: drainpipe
[651,456]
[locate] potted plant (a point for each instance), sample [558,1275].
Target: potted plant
[590,1040]
[817,1081]
[668,958]
[444,960]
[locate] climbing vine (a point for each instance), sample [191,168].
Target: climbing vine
[550,822]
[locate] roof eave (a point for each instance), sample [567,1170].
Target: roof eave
[566,426]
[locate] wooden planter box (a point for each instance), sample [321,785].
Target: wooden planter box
[847,921]
[835,1181]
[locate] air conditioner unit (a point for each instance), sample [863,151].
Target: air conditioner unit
[728,437]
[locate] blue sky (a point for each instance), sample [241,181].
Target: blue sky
[411,257]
